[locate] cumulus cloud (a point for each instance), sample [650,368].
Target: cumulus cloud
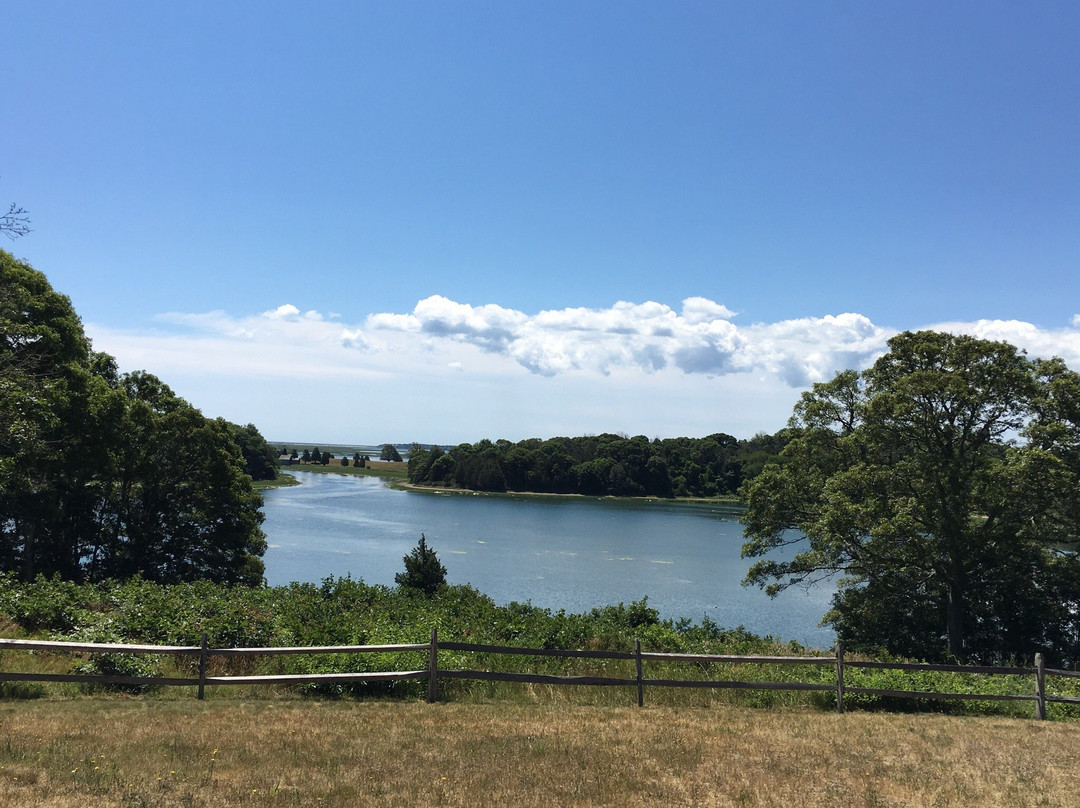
[648,337]
[452,371]
[703,310]
[700,339]
[1038,342]
[812,349]
[286,312]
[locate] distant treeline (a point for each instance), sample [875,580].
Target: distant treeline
[599,465]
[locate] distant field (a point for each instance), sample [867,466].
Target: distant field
[123,752]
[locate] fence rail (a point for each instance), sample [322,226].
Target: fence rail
[432,672]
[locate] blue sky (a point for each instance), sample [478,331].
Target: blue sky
[440,221]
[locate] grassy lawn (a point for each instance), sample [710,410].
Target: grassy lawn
[114,751]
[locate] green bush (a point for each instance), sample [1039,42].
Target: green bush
[345,611]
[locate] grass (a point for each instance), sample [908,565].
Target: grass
[284,752]
[281,481]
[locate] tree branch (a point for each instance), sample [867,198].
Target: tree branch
[15,222]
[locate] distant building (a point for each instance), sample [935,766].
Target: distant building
[287,460]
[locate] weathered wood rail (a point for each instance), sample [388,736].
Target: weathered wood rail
[433,673]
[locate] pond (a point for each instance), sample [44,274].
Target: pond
[569,553]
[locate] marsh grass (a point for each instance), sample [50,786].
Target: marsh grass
[119,751]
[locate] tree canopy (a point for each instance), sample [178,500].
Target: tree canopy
[597,465]
[423,571]
[389,452]
[942,485]
[105,474]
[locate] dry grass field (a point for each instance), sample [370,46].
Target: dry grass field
[129,752]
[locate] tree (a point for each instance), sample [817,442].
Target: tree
[182,506]
[942,484]
[103,475]
[390,452]
[422,569]
[260,459]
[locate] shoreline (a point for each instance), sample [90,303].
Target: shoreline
[731,502]
[393,474]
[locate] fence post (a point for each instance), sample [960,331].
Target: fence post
[202,667]
[640,681]
[839,678]
[433,666]
[1040,687]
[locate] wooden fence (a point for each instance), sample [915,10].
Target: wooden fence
[432,672]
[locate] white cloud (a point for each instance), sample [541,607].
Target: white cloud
[286,312]
[812,349]
[469,371]
[1038,342]
[643,337]
[701,310]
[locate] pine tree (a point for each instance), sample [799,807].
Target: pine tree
[422,569]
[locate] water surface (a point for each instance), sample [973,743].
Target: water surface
[556,552]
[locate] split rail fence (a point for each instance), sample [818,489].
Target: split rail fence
[433,673]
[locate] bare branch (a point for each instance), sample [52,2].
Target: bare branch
[15,222]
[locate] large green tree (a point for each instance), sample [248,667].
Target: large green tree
[942,485]
[105,475]
[260,458]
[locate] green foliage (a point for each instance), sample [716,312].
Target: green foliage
[935,682]
[113,664]
[344,611]
[944,484]
[260,458]
[104,475]
[390,453]
[600,465]
[423,571]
